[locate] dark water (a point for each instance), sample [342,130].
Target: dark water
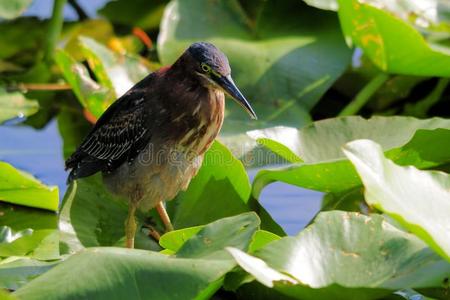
[39,152]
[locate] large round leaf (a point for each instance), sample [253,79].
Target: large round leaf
[280,58]
[91,217]
[420,200]
[346,256]
[325,167]
[220,189]
[115,273]
[17,271]
[196,272]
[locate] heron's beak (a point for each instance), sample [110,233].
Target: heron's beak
[227,84]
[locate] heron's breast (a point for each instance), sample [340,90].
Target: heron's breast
[210,115]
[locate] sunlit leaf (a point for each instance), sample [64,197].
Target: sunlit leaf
[210,241]
[323,4]
[345,256]
[18,187]
[91,94]
[325,167]
[118,72]
[400,51]
[196,272]
[419,200]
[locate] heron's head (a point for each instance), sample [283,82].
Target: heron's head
[212,67]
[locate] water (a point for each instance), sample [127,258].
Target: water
[39,152]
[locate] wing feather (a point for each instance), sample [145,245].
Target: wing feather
[119,135]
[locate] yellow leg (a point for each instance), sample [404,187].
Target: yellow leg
[130,225]
[164,216]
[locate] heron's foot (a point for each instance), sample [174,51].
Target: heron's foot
[152,232]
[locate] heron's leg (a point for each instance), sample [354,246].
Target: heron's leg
[130,224]
[164,216]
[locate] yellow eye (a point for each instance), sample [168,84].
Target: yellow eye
[205,68]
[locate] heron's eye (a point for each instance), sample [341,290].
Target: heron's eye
[205,68]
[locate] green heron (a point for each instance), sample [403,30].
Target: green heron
[150,142]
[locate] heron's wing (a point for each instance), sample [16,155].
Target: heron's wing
[119,135]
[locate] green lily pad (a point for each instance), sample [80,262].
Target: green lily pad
[325,167]
[20,188]
[345,256]
[419,200]
[221,175]
[210,241]
[280,58]
[17,271]
[15,105]
[400,51]
[28,232]
[196,272]
[91,216]
[40,244]
[173,240]
[116,273]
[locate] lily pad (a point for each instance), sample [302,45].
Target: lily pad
[20,188]
[196,272]
[325,167]
[345,256]
[17,271]
[91,216]
[28,232]
[220,189]
[116,273]
[419,200]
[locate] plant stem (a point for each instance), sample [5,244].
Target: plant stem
[40,87]
[364,95]
[54,29]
